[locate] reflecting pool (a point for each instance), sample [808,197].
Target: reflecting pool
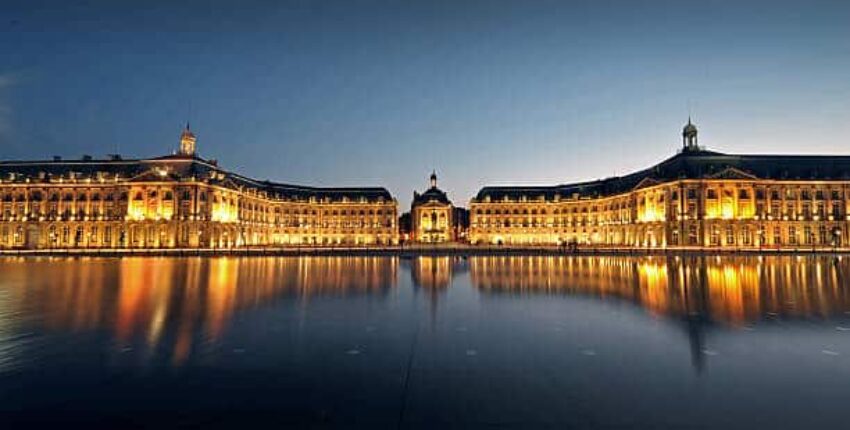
[428,342]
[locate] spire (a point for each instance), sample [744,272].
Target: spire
[433,179]
[689,137]
[187,141]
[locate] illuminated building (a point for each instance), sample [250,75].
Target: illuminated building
[432,215]
[697,198]
[179,201]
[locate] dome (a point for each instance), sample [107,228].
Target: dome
[690,128]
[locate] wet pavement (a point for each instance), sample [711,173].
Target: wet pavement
[428,342]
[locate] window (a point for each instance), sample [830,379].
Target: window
[730,235]
[746,236]
[715,235]
[692,235]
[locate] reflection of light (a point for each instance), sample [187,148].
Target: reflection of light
[8,349]
[730,289]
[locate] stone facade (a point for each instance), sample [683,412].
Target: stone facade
[697,198]
[179,201]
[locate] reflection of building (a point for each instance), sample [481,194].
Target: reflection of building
[180,200]
[696,291]
[730,290]
[696,198]
[432,215]
[175,304]
[432,273]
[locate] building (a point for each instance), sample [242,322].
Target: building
[432,215]
[179,201]
[696,198]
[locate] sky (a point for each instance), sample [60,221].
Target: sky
[380,93]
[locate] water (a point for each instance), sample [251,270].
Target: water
[525,342]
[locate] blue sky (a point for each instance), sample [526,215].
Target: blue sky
[382,92]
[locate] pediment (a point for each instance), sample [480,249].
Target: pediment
[227,182]
[152,175]
[646,182]
[732,173]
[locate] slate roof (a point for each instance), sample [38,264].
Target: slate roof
[182,167]
[432,193]
[701,164]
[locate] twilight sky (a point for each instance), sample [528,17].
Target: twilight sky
[359,92]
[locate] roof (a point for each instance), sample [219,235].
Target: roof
[432,194]
[181,167]
[697,164]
